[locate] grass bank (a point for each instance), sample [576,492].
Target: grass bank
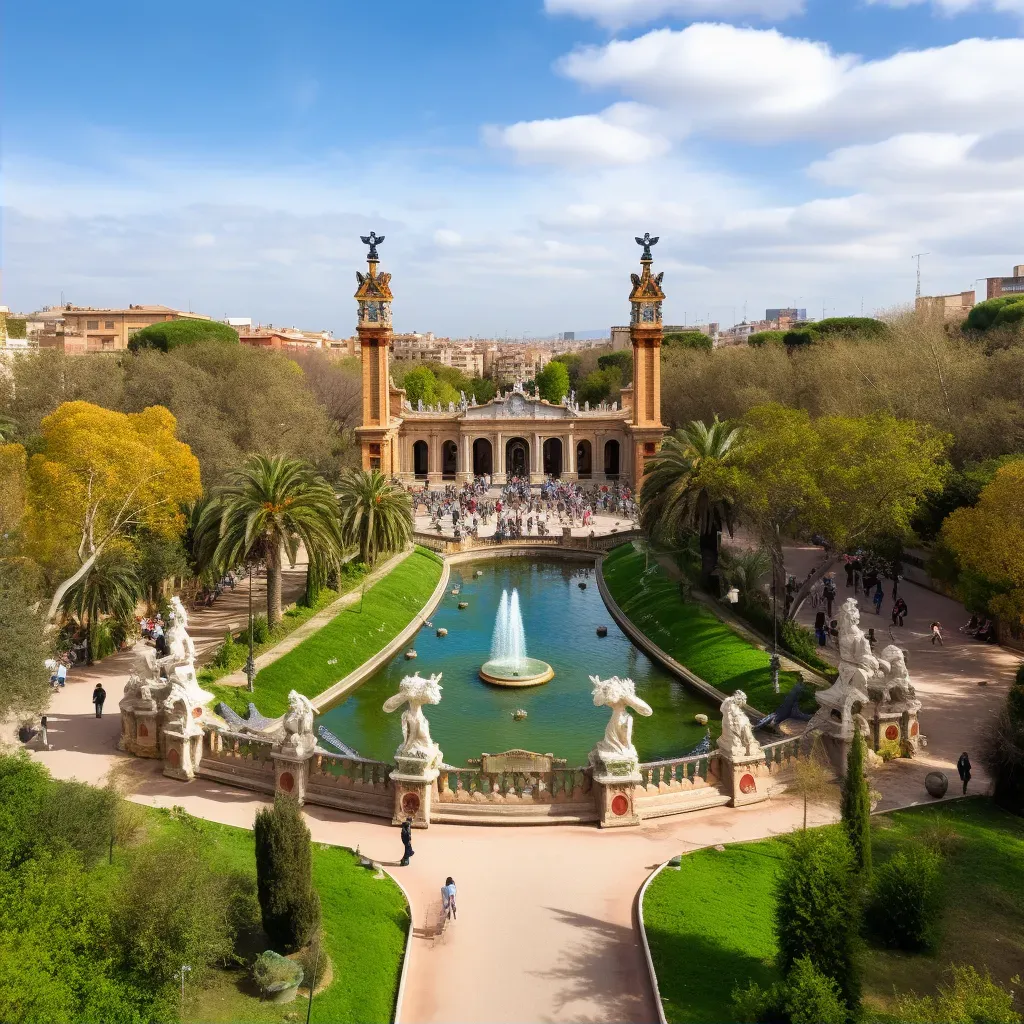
[365,924]
[710,924]
[343,644]
[690,633]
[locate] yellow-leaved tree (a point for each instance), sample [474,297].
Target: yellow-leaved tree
[989,538]
[100,474]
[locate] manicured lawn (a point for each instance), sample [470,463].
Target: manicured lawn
[689,632]
[365,922]
[353,636]
[710,924]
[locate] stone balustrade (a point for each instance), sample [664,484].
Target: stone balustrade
[679,773]
[474,785]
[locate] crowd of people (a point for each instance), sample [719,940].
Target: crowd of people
[521,509]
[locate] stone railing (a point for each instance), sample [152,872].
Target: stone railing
[239,758]
[778,755]
[448,546]
[467,785]
[679,784]
[678,773]
[351,783]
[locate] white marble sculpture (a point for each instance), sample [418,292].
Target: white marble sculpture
[179,664]
[298,725]
[737,739]
[416,742]
[895,684]
[620,696]
[180,710]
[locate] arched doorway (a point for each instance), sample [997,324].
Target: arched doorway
[517,457]
[482,458]
[611,459]
[553,457]
[584,460]
[449,460]
[420,454]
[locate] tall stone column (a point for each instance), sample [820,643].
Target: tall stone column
[499,459]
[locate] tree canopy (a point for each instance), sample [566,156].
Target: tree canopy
[553,382]
[173,333]
[623,359]
[1007,309]
[688,339]
[989,538]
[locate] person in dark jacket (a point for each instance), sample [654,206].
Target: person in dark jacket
[99,695]
[820,628]
[899,611]
[963,768]
[407,841]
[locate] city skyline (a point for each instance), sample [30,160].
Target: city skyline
[509,153]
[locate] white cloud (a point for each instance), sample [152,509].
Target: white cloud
[615,136]
[616,14]
[762,86]
[447,239]
[952,7]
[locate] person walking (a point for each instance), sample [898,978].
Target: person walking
[937,633]
[448,898]
[830,593]
[99,695]
[849,571]
[820,628]
[407,841]
[899,611]
[878,597]
[963,768]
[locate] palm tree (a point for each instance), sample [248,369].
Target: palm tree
[8,428]
[110,587]
[375,515]
[687,486]
[746,571]
[271,504]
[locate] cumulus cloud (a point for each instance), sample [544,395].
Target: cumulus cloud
[953,7]
[616,14]
[762,86]
[615,136]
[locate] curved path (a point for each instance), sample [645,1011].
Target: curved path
[547,928]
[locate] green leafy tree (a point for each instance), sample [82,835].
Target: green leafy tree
[482,389]
[111,587]
[906,900]
[688,339]
[24,679]
[573,362]
[689,486]
[420,385]
[1002,750]
[271,505]
[284,875]
[986,314]
[850,327]
[376,516]
[747,571]
[856,805]
[817,913]
[622,359]
[600,385]
[553,382]
[760,338]
[968,998]
[172,334]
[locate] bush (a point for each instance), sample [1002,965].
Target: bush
[174,333]
[798,640]
[227,653]
[315,961]
[799,339]
[1002,751]
[284,882]
[817,909]
[906,900]
[971,998]
[273,972]
[688,339]
[889,749]
[806,997]
[260,632]
[984,314]
[851,326]
[759,338]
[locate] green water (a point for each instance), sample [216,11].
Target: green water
[560,621]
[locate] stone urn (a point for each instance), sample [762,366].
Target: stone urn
[936,783]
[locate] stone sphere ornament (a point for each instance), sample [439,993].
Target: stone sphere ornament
[936,783]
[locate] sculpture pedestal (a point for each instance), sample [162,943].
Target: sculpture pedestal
[415,783]
[291,774]
[183,750]
[745,777]
[140,730]
[615,781]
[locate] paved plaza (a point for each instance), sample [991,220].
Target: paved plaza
[547,925]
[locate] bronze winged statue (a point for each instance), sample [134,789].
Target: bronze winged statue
[646,242]
[373,240]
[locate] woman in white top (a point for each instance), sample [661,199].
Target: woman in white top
[448,897]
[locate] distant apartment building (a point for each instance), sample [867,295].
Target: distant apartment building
[86,329]
[1000,286]
[289,339]
[949,307]
[788,313]
[567,336]
[467,361]
[620,339]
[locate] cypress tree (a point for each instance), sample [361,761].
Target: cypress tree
[856,809]
[284,875]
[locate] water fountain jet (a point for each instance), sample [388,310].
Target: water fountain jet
[508,664]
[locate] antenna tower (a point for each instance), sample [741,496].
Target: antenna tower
[917,256]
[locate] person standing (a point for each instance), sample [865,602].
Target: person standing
[407,841]
[62,674]
[830,593]
[448,897]
[899,611]
[937,633]
[820,626]
[963,768]
[878,597]
[849,571]
[99,695]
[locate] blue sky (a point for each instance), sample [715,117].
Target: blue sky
[226,156]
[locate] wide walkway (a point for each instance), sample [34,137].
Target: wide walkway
[546,928]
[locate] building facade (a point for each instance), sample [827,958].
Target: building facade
[109,330]
[949,307]
[514,435]
[1000,286]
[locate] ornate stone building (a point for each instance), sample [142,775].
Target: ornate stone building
[513,435]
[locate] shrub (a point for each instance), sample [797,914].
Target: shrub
[759,338]
[971,998]
[1002,751]
[315,961]
[799,339]
[812,997]
[688,339]
[174,333]
[756,1005]
[851,326]
[284,875]
[260,632]
[856,807]
[273,972]
[798,640]
[817,908]
[225,654]
[906,900]
[984,314]
[888,749]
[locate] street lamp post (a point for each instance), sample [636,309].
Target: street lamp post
[250,665]
[184,970]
